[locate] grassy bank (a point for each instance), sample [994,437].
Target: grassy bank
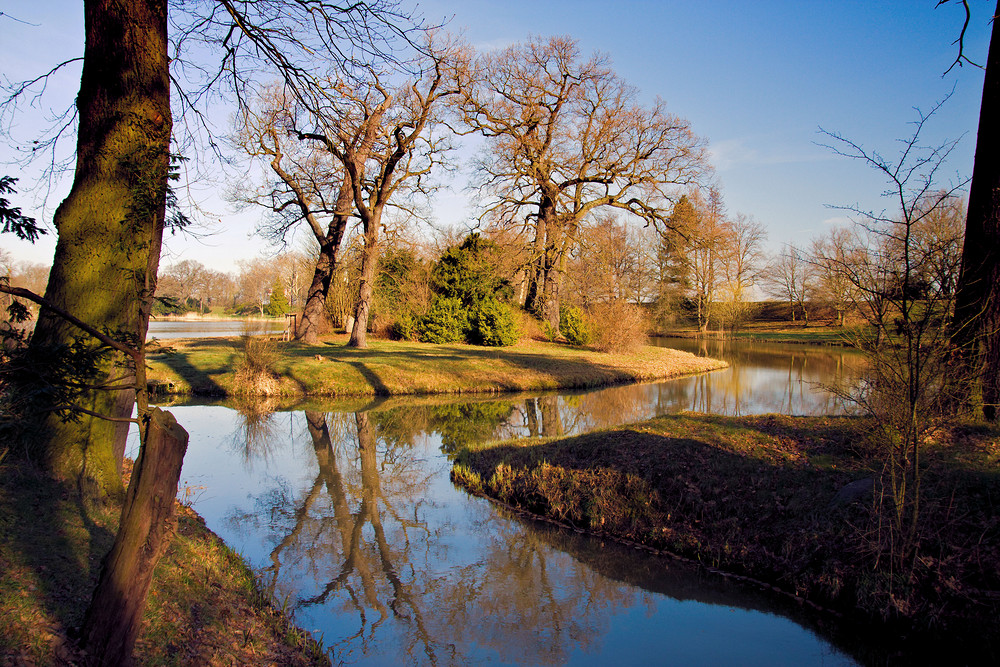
[757,496]
[207,367]
[204,606]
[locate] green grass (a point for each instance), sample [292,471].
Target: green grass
[752,496]
[331,368]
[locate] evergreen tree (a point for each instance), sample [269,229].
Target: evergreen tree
[278,304]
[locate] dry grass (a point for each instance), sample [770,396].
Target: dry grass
[254,373]
[331,368]
[753,496]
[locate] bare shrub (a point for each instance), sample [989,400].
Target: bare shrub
[617,326]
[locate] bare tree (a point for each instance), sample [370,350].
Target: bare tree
[903,266]
[742,265]
[565,138]
[790,277]
[834,258]
[307,186]
[612,262]
[701,227]
[385,142]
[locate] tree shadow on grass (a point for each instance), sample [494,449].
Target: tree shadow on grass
[51,546]
[199,379]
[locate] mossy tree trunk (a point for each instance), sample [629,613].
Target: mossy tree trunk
[111,224]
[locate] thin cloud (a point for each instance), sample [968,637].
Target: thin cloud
[731,153]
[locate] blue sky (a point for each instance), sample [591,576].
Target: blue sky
[755,79]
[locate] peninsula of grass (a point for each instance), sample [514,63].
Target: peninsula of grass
[204,607]
[385,368]
[757,497]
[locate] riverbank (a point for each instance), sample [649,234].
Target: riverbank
[330,368]
[775,332]
[757,497]
[204,606]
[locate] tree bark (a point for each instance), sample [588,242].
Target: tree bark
[110,226]
[976,325]
[114,616]
[314,311]
[366,287]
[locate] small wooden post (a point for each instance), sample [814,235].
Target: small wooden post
[291,328]
[115,612]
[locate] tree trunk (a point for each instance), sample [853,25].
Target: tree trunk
[366,288]
[555,269]
[115,613]
[314,312]
[534,302]
[111,224]
[976,326]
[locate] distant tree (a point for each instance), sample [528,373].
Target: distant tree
[834,258]
[790,277]
[741,264]
[701,223]
[611,262]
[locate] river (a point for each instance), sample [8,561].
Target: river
[348,513]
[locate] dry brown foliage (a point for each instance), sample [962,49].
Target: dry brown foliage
[617,327]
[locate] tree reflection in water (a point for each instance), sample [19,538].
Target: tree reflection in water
[366,546]
[360,534]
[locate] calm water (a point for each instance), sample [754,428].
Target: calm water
[164,329]
[349,515]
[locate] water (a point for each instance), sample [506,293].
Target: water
[350,516]
[166,329]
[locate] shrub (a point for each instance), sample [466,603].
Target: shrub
[493,324]
[617,326]
[278,303]
[404,328]
[573,325]
[445,322]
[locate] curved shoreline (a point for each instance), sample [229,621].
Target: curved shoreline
[206,367]
[760,499]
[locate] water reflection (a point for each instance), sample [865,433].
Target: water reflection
[376,552]
[767,377]
[349,515]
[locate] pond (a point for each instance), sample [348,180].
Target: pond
[198,328]
[348,513]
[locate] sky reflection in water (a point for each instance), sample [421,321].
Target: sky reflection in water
[352,519]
